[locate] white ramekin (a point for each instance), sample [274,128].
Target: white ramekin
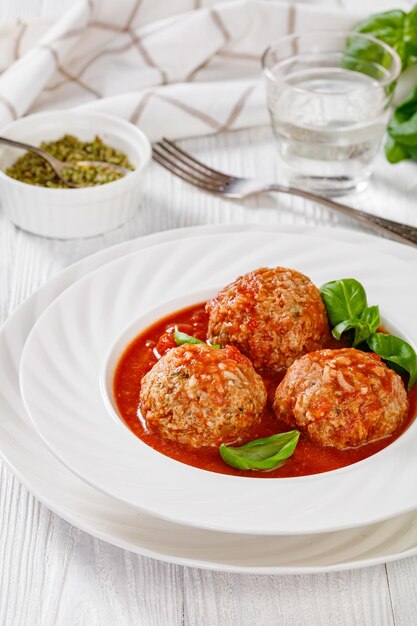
[72,213]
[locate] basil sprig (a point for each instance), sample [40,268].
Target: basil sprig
[263,454]
[402,131]
[347,308]
[364,326]
[182,338]
[396,28]
[399,30]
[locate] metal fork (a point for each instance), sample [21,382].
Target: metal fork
[193,171]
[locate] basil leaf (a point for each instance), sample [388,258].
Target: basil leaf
[367,57]
[406,108]
[405,134]
[264,454]
[402,131]
[182,338]
[396,28]
[370,316]
[369,324]
[344,299]
[396,351]
[403,125]
[364,326]
[388,26]
[341,328]
[412,152]
[399,30]
[394,152]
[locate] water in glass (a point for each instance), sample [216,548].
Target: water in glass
[329,123]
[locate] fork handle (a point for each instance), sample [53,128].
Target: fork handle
[400,232]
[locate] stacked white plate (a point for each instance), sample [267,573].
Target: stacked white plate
[60,435]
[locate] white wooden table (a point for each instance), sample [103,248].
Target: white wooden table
[54,574]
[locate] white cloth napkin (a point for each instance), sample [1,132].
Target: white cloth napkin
[171,70]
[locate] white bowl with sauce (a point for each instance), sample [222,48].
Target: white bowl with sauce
[81,212]
[62,389]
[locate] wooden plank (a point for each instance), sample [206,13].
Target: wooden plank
[357,598]
[51,573]
[402,576]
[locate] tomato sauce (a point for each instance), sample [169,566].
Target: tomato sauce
[308,458]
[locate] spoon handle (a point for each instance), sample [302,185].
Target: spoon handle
[55,163]
[25,146]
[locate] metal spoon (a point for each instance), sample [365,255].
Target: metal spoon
[59,166]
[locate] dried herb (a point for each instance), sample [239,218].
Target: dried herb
[33,170]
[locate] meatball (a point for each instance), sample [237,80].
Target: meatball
[342,398]
[200,396]
[272,315]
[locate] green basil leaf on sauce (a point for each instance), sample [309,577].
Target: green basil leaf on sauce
[182,338]
[396,352]
[263,454]
[344,299]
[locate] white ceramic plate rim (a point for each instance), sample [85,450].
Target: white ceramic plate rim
[176,492]
[88,509]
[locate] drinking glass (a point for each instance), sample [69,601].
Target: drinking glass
[329,96]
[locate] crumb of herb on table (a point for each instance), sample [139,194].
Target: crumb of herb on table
[33,170]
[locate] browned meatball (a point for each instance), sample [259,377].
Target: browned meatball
[200,396]
[272,315]
[342,398]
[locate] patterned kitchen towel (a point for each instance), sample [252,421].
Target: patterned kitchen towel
[174,68]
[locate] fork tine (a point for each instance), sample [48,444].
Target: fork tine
[183,174]
[188,159]
[176,157]
[192,176]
